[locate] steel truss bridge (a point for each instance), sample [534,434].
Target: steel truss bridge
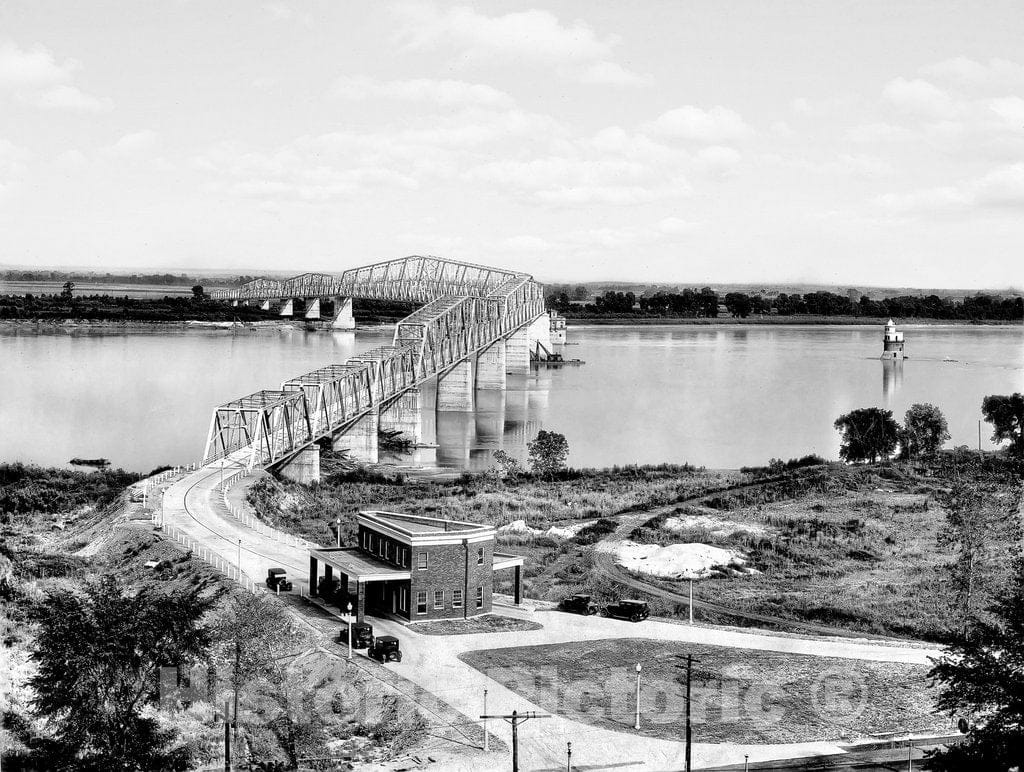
[467,308]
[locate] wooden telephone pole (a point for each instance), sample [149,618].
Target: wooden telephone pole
[516,718]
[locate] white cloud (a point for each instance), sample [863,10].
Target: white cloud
[446,93]
[32,68]
[919,96]
[996,74]
[716,125]
[37,78]
[69,98]
[1000,188]
[524,37]
[717,160]
[533,35]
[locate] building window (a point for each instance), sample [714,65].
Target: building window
[456,598]
[421,602]
[366,540]
[480,556]
[403,557]
[373,542]
[421,560]
[403,599]
[438,598]
[387,551]
[479,597]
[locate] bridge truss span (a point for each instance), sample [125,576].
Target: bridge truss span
[467,308]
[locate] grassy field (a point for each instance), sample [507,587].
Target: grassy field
[858,548]
[738,695]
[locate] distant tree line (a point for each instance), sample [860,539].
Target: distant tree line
[705,303]
[170,279]
[66,305]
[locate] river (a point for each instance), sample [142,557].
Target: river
[711,395]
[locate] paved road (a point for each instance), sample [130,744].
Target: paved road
[432,663]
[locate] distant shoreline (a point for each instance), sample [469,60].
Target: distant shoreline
[69,325]
[863,321]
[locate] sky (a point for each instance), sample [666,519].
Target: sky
[858,143]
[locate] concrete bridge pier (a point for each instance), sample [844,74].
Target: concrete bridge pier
[265,305]
[343,319]
[517,352]
[405,415]
[287,307]
[234,304]
[313,308]
[455,390]
[304,467]
[490,367]
[360,440]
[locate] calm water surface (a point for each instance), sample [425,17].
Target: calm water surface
[719,396]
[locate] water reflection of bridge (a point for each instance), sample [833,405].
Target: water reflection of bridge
[477,326]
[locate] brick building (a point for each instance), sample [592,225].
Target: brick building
[417,568]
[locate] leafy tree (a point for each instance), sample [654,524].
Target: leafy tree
[68,291]
[98,655]
[258,643]
[548,453]
[924,431]
[509,466]
[738,304]
[982,681]
[978,528]
[869,433]
[198,292]
[1006,414]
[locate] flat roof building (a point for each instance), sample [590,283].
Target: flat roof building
[415,567]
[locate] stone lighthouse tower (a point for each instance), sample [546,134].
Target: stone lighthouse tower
[892,342]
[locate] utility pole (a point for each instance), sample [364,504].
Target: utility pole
[487,738]
[238,673]
[515,719]
[636,723]
[689,736]
[691,601]
[227,737]
[689,728]
[568,757]
[979,436]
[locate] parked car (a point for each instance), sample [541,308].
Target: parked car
[578,604]
[362,635]
[633,610]
[385,649]
[277,579]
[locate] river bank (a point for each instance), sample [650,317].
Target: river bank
[863,321]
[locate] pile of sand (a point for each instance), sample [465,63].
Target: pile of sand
[676,561]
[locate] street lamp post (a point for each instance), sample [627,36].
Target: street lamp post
[636,724]
[745,758]
[349,636]
[238,559]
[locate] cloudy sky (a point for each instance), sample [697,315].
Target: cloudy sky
[720,140]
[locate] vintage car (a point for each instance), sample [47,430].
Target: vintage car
[277,579]
[385,649]
[578,604]
[633,610]
[362,635]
